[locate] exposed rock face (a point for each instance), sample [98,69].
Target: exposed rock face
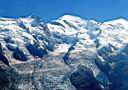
[36,50]
[69,53]
[4,80]
[2,56]
[83,79]
[119,76]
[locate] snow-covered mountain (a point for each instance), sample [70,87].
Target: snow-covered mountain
[63,53]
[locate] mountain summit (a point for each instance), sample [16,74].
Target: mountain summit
[69,53]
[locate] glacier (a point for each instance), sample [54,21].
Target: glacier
[69,53]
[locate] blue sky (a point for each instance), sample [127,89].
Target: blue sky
[100,10]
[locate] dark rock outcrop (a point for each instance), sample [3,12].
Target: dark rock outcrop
[36,50]
[119,76]
[3,57]
[83,79]
[19,55]
[4,80]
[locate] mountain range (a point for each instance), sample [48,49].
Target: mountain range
[69,53]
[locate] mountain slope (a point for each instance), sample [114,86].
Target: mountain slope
[46,56]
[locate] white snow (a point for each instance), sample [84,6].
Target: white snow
[66,30]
